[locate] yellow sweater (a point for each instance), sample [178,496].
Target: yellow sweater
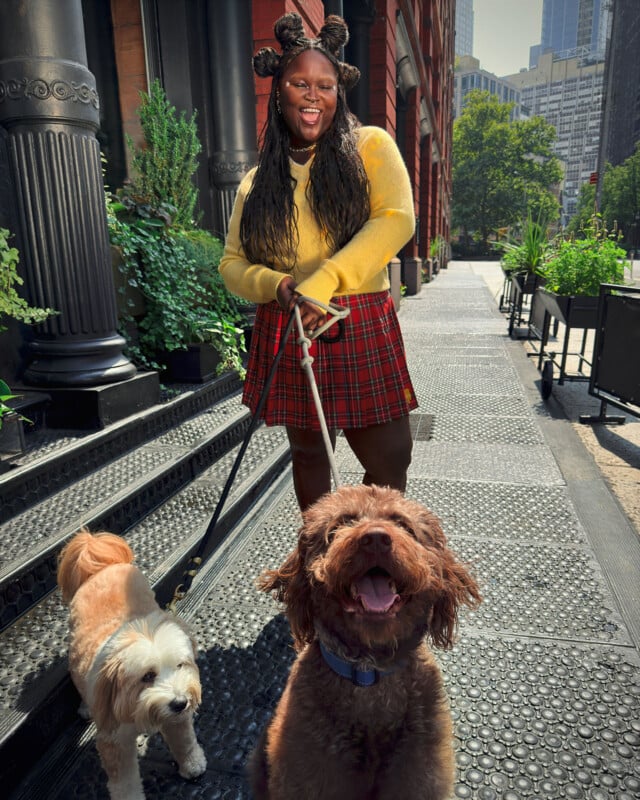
[357,268]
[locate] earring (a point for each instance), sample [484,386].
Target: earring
[278,109]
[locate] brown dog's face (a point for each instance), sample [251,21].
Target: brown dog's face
[373,568]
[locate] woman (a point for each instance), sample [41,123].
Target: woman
[327,207]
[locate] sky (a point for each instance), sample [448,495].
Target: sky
[503,31]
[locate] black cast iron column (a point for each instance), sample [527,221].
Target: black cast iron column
[49,109]
[234,101]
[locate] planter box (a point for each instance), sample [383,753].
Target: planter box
[197,364]
[522,284]
[574,311]
[11,435]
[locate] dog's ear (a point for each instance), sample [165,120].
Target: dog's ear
[290,585]
[104,696]
[457,588]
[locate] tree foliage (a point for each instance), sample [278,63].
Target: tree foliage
[619,201]
[502,169]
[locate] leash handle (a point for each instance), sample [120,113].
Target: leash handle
[338,314]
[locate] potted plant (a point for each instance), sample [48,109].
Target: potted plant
[11,427]
[574,271]
[523,264]
[187,324]
[14,306]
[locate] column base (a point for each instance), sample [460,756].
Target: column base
[95,407]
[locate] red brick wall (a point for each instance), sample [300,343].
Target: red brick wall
[130,63]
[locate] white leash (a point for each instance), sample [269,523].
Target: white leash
[304,340]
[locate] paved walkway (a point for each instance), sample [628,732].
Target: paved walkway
[545,678]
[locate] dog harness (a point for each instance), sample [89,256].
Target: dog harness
[346,669]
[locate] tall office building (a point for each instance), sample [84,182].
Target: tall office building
[567,92]
[621,115]
[559,26]
[464,28]
[469,75]
[572,29]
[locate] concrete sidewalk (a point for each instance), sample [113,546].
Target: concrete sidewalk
[544,680]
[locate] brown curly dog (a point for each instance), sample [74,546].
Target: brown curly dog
[364,715]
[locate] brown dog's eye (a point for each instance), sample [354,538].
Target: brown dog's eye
[149,677]
[403,523]
[340,522]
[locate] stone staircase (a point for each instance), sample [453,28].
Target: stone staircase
[154,478]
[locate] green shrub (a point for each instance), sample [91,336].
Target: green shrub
[529,254]
[165,166]
[11,304]
[185,302]
[577,266]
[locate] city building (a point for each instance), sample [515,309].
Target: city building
[572,28]
[464,27]
[99,56]
[568,94]
[469,75]
[620,130]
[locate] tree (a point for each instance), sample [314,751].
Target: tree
[619,204]
[502,169]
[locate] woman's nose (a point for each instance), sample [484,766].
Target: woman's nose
[312,93]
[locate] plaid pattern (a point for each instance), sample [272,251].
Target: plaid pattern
[362,379]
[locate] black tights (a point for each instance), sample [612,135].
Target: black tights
[383,450]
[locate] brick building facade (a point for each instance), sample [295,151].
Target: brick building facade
[201,51]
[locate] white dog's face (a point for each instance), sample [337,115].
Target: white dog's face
[146,676]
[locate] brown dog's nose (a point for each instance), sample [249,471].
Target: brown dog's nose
[376,542]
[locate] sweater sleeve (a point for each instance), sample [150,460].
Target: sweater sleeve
[256,283]
[390,225]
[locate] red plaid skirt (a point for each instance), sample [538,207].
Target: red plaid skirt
[362,379]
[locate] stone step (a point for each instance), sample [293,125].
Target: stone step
[161,495]
[56,458]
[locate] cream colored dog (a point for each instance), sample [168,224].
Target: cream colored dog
[132,663]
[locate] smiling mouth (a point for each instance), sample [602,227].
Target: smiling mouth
[310,116]
[374,593]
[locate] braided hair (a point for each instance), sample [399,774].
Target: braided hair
[338,185]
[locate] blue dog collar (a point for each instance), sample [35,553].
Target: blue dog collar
[346,669]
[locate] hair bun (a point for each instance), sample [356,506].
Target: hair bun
[334,34]
[289,31]
[265,62]
[349,74]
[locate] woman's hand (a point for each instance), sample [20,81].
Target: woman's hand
[312,316]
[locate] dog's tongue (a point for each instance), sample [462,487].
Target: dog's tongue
[375,593]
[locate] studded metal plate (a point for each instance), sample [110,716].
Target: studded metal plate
[539,719]
[495,429]
[502,463]
[502,511]
[483,405]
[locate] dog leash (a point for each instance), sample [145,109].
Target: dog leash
[305,338]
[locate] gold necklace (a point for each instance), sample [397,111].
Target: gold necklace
[302,149]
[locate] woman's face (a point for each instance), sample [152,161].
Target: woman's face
[308,97]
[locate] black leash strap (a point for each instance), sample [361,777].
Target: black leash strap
[196,560]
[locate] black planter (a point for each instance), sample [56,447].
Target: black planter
[11,435]
[574,311]
[522,284]
[197,364]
